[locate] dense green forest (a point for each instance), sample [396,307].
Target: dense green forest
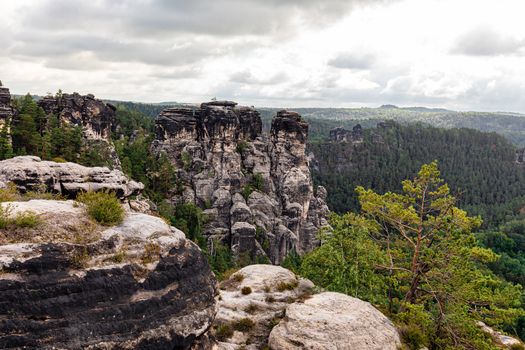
[479,167]
[510,125]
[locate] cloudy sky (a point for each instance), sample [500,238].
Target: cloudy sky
[459,54]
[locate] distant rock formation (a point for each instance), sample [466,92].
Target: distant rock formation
[340,134]
[71,284]
[96,118]
[256,189]
[30,173]
[6,109]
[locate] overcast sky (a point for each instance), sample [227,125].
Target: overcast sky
[458,54]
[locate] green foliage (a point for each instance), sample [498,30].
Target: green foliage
[223,332]
[104,207]
[258,182]
[242,146]
[347,260]
[8,220]
[6,149]
[293,262]
[186,160]
[479,167]
[425,258]
[243,325]
[220,259]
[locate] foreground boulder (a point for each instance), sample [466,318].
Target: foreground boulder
[69,283]
[256,189]
[257,294]
[264,306]
[30,173]
[334,321]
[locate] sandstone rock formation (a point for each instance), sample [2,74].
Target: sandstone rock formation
[96,118]
[255,188]
[284,314]
[499,338]
[69,283]
[6,110]
[334,321]
[340,134]
[30,173]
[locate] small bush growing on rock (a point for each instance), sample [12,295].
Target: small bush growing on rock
[119,256]
[252,308]
[104,207]
[238,277]
[246,290]
[282,286]
[517,347]
[244,325]
[80,258]
[26,219]
[223,332]
[9,194]
[258,181]
[247,191]
[242,146]
[151,253]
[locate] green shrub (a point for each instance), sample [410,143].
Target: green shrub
[151,253]
[59,160]
[246,290]
[242,146]
[103,206]
[282,286]
[517,347]
[223,332]
[258,182]
[9,194]
[247,191]
[26,219]
[244,325]
[186,160]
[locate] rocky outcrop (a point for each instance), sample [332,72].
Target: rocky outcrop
[340,134]
[69,283]
[501,339]
[334,321]
[6,109]
[96,118]
[30,173]
[256,189]
[264,306]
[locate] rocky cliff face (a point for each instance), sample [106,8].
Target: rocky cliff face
[69,283]
[6,110]
[96,118]
[256,189]
[343,135]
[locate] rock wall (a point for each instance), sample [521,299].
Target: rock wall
[256,189]
[97,119]
[6,109]
[69,283]
[340,134]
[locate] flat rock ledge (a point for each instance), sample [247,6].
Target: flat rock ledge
[329,321]
[138,285]
[30,173]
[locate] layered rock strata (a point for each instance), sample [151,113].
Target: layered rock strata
[69,283]
[340,134]
[30,173]
[255,189]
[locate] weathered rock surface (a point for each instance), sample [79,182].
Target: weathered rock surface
[96,118]
[334,321]
[272,288]
[220,153]
[32,173]
[340,134]
[71,284]
[500,338]
[6,109]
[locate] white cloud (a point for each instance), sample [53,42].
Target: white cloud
[273,53]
